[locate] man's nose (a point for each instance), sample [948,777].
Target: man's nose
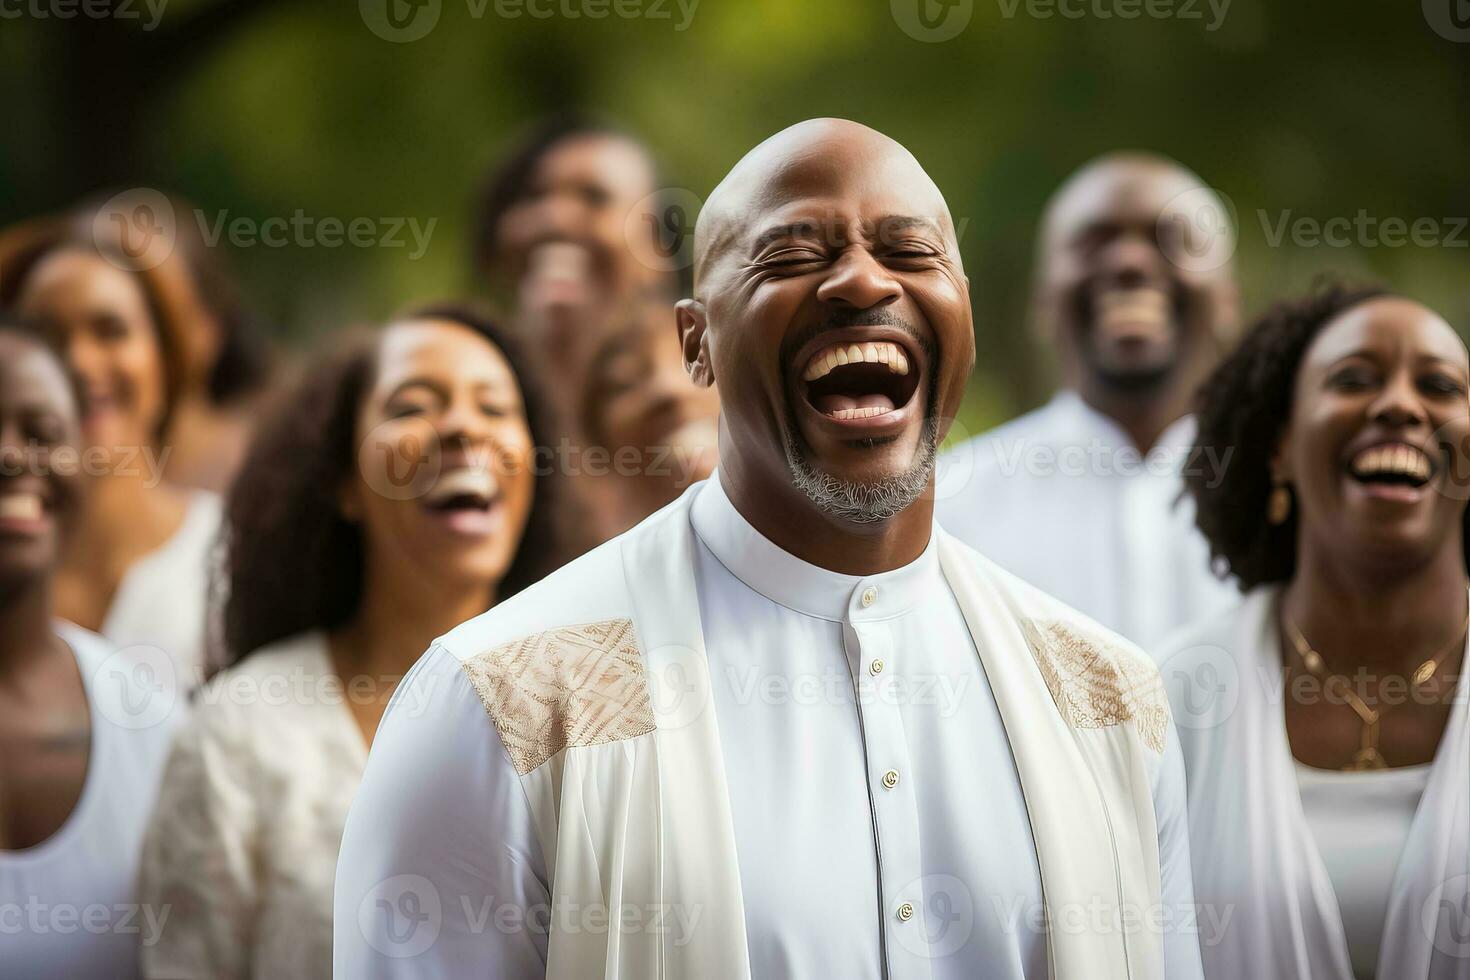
[1132,259]
[859,281]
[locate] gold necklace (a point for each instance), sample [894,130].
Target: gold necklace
[1367,757]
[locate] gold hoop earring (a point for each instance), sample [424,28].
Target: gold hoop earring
[1278,506]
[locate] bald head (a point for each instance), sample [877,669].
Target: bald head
[1135,286]
[805,162]
[1145,186]
[831,311]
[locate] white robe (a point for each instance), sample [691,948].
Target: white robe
[1061,498]
[610,774]
[1254,854]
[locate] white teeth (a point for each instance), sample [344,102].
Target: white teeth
[465,482]
[881,352]
[858,413]
[21,506]
[1397,458]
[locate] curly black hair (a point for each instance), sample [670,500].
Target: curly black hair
[292,562]
[1242,409]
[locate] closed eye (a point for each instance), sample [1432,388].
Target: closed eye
[1442,385]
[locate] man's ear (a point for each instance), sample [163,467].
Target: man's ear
[694,340]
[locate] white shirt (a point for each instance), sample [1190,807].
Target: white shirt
[243,844]
[161,602]
[1361,822]
[1061,498]
[824,841]
[68,909]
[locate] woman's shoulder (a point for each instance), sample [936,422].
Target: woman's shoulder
[267,689]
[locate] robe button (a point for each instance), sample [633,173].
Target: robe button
[870,596]
[890,778]
[876,667]
[905,912]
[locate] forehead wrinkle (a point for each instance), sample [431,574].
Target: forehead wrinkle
[780,170]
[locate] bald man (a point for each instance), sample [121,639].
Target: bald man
[785,728]
[1083,497]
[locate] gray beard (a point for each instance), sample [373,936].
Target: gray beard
[865,503]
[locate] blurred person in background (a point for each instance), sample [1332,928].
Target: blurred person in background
[570,238]
[659,430]
[83,731]
[388,498]
[136,569]
[1331,823]
[1083,497]
[226,364]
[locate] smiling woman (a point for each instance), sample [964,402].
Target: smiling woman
[136,566]
[390,497]
[79,758]
[1332,820]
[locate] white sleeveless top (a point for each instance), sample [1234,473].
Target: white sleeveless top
[67,905]
[161,601]
[1361,821]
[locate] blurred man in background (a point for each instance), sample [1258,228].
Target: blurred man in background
[1083,496]
[576,236]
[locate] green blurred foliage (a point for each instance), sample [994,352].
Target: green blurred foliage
[258,108]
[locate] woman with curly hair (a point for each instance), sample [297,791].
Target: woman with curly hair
[1328,755]
[392,496]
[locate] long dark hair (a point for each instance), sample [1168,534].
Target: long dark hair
[292,562]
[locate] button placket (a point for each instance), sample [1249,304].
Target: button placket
[876,662]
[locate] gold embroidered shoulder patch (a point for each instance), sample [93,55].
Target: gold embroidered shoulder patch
[568,687]
[1097,686]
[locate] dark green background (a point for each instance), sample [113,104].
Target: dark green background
[261,107]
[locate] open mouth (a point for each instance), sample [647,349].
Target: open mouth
[1142,312]
[859,381]
[1392,465]
[22,511]
[466,500]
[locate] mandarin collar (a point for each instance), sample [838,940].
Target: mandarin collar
[801,586]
